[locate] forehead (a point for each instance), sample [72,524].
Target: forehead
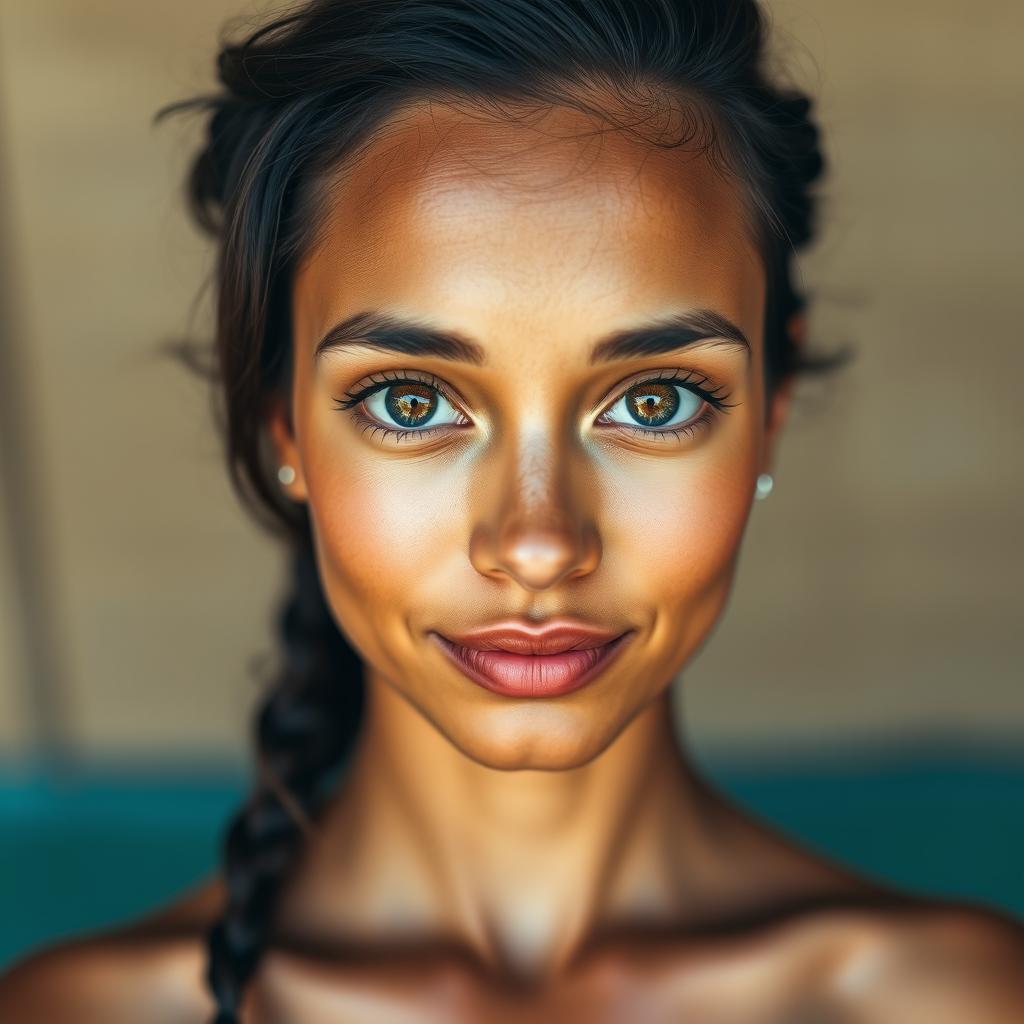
[494,224]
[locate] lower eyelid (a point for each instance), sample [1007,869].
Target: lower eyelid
[370,421]
[700,422]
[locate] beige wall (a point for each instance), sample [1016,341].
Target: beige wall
[878,591]
[14,713]
[161,586]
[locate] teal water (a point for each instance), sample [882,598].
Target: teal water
[106,844]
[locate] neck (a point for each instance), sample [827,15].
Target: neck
[525,867]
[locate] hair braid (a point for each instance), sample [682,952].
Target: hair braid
[793,167]
[304,730]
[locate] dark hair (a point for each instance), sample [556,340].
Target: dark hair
[299,95]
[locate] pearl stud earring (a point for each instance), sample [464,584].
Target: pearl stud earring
[286,474]
[765,483]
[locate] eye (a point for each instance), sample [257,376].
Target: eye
[411,405]
[654,404]
[400,406]
[669,404]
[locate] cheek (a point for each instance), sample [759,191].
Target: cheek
[680,524]
[382,526]
[688,541]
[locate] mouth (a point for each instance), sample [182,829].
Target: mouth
[532,675]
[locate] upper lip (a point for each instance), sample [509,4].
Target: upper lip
[519,637]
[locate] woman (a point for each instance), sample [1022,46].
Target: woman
[507,331]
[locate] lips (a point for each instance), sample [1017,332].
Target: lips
[526,661]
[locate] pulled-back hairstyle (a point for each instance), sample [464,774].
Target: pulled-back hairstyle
[298,97]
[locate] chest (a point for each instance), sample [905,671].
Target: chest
[640,987]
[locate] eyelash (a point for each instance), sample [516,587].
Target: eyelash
[714,397]
[382,381]
[695,382]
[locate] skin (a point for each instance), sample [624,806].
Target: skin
[494,858]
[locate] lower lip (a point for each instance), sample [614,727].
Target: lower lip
[532,675]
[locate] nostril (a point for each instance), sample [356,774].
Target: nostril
[540,563]
[536,557]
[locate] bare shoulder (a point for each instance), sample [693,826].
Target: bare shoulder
[150,969]
[942,962]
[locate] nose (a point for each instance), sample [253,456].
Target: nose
[534,531]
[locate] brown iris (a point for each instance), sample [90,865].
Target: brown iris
[411,404]
[652,404]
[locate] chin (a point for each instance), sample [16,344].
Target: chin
[539,738]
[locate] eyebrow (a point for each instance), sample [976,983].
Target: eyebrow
[671,333]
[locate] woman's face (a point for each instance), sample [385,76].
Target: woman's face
[522,484]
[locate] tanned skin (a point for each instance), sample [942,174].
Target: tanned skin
[556,859]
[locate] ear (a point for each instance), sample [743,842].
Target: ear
[286,451]
[778,407]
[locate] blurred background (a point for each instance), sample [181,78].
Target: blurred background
[864,690]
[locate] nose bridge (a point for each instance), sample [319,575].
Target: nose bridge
[537,529]
[540,485]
